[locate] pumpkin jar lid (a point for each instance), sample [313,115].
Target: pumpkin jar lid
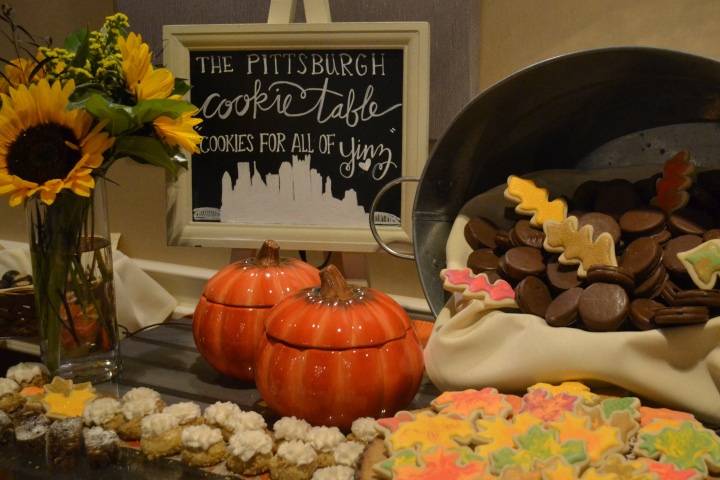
[337,316]
[260,281]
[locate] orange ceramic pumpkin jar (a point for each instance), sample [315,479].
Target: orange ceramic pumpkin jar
[336,353]
[229,319]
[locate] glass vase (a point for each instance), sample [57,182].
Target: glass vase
[73,279]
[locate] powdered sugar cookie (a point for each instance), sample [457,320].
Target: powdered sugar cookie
[472,403]
[364,429]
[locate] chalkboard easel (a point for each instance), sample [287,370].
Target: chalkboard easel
[304,124]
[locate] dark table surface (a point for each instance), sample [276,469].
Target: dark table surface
[165,359]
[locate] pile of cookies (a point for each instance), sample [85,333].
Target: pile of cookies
[553,432]
[65,422]
[617,255]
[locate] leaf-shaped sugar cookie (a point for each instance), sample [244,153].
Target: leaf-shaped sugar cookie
[672,187]
[533,200]
[577,245]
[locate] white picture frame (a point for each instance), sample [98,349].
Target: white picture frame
[411,37]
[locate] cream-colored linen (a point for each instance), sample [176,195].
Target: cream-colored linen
[140,300]
[475,347]
[677,367]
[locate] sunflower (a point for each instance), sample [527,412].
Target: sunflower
[179,131]
[17,73]
[44,147]
[143,81]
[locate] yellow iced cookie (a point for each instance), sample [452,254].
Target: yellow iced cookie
[498,433]
[65,399]
[425,430]
[533,200]
[599,441]
[572,388]
[577,245]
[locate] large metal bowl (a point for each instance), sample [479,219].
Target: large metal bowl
[590,109]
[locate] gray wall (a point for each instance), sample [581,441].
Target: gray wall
[452,24]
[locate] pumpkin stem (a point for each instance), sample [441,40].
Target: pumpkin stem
[269,254]
[333,285]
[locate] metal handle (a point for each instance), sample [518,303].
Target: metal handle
[373,206]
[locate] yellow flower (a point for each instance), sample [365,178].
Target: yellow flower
[18,72]
[159,83]
[141,78]
[44,147]
[179,131]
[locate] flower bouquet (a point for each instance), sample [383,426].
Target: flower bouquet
[66,115]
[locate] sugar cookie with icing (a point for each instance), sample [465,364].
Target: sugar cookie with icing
[533,200]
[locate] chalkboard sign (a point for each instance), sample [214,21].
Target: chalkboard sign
[299,133]
[297,137]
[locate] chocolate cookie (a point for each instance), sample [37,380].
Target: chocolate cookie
[653,283]
[562,277]
[503,243]
[480,233]
[668,292]
[520,262]
[711,234]
[584,196]
[610,274]
[709,179]
[563,311]
[689,222]
[603,307]
[641,257]
[662,236]
[600,222]
[642,222]
[697,297]
[642,312]
[681,315]
[616,197]
[533,296]
[524,234]
[679,244]
[482,259]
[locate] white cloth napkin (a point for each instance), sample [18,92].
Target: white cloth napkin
[140,300]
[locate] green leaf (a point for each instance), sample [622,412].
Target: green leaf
[80,41]
[75,39]
[119,116]
[146,150]
[148,110]
[181,87]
